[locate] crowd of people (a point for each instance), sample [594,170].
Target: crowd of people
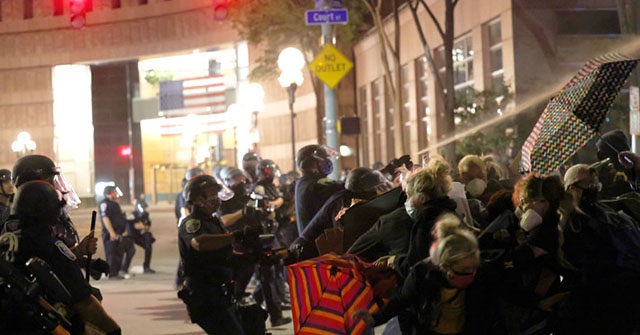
[474,248]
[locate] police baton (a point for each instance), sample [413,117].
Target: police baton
[87,272]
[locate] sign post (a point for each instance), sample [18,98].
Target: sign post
[330,68]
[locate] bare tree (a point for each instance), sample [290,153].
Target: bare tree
[390,56]
[445,119]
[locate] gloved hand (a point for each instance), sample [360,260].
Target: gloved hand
[248,233]
[98,267]
[248,211]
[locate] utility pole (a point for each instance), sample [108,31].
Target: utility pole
[330,103]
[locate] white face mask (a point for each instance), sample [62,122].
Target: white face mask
[530,219]
[411,210]
[476,187]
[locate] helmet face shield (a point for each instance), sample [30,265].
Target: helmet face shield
[68,193]
[225,193]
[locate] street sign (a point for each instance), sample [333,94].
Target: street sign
[330,66]
[331,16]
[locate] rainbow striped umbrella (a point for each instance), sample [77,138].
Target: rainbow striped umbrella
[574,116]
[325,291]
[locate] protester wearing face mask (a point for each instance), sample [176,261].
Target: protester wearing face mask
[603,244]
[391,235]
[472,172]
[441,291]
[533,285]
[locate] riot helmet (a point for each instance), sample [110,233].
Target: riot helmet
[232,176]
[37,201]
[5,182]
[267,170]
[193,172]
[198,185]
[314,155]
[112,189]
[33,167]
[365,182]
[38,167]
[249,162]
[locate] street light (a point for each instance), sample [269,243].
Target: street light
[291,62]
[23,145]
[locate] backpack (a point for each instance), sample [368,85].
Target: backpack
[623,233]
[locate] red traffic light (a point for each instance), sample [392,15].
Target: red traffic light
[124,151]
[221,9]
[78,10]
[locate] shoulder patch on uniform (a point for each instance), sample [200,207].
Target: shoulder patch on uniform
[65,250]
[103,207]
[192,226]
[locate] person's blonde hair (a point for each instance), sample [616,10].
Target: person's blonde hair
[467,161]
[434,180]
[453,242]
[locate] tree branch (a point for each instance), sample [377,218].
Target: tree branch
[433,18]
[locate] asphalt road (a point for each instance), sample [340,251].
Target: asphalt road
[147,303]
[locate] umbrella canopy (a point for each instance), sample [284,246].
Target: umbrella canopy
[574,116]
[325,291]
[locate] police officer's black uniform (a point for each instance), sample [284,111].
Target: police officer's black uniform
[113,250]
[313,188]
[208,292]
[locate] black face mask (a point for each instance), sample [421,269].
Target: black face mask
[239,189]
[589,196]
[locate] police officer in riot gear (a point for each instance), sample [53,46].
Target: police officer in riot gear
[37,206]
[249,162]
[313,188]
[38,167]
[206,253]
[6,194]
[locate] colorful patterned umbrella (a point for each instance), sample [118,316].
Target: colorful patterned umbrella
[574,116]
[325,291]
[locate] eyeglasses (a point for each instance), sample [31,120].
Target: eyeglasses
[594,185]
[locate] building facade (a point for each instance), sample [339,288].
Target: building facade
[533,47]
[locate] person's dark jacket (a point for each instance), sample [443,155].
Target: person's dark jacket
[388,236]
[420,294]
[312,191]
[324,219]
[421,235]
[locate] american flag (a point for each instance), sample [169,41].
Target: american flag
[201,95]
[192,124]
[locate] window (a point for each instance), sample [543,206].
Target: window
[406,109]
[588,22]
[495,55]
[390,125]
[364,127]
[27,9]
[58,7]
[462,55]
[376,113]
[424,113]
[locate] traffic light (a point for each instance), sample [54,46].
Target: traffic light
[78,10]
[221,9]
[124,151]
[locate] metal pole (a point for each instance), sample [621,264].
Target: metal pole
[292,98]
[330,105]
[130,135]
